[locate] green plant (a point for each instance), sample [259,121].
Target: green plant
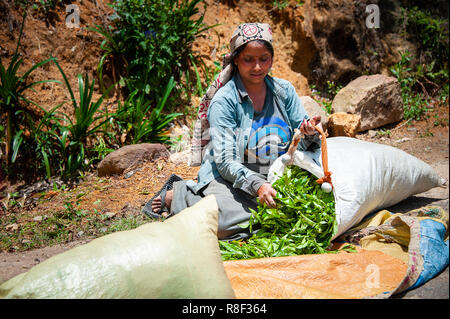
[72,211]
[440,121]
[140,122]
[427,133]
[326,98]
[429,73]
[12,96]
[280,5]
[152,129]
[414,104]
[303,222]
[115,49]
[327,105]
[100,150]
[431,32]
[50,146]
[283,4]
[127,223]
[88,122]
[155,39]
[384,133]
[45,6]
[333,88]
[12,199]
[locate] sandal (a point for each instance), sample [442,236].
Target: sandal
[168,185]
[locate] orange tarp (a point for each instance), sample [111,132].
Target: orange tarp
[340,275]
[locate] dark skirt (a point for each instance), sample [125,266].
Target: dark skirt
[234,206]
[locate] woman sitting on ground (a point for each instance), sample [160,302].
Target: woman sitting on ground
[251,121]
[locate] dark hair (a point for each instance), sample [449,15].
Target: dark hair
[238,51]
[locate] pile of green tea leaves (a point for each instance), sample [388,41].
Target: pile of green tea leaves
[303,222]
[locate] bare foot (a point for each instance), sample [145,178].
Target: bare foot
[156,204]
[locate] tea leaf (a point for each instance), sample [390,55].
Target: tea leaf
[303,222]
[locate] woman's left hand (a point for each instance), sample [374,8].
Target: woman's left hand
[306,127]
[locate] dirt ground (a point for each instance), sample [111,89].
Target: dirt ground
[79,51]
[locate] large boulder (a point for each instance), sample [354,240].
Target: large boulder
[130,155]
[376,98]
[337,44]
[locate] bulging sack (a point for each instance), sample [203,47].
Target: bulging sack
[178,258]
[366,177]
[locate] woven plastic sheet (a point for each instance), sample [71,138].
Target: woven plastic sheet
[325,276]
[395,253]
[418,237]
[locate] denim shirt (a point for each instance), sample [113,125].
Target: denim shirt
[230,117]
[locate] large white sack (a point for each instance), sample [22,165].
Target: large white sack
[366,177]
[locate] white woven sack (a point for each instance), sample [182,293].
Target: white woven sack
[366,177]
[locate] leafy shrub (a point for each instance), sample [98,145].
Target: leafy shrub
[132,120]
[153,40]
[414,103]
[114,49]
[427,78]
[432,34]
[149,42]
[88,121]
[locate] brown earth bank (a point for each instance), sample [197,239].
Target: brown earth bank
[110,199]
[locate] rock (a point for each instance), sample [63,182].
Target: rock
[343,124]
[109,215]
[128,173]
[372,133]
[12,227]
[181,138]
[313,108]
[338,45]
[180,157]
[376,98]
[130,156]
[298,80]
[38,218]
[402,140]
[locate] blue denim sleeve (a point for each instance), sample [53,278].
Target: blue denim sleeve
[227,146]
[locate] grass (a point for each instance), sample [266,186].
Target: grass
[61,226]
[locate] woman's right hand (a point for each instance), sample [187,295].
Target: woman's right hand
[266,194]
[306,127]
